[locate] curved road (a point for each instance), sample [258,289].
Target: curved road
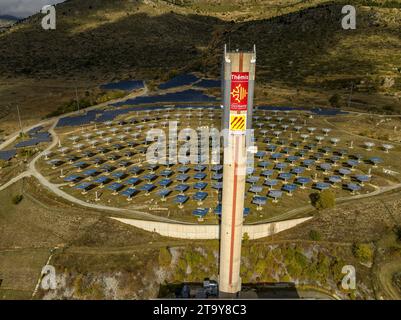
[32,171]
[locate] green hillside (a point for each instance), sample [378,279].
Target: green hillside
[300,43]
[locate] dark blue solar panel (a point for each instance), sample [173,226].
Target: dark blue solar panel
[260,154]
[165,182]
[33,131]
[217,185]
[293,158]
[322,186]
[118,174]
[135,170]
[36,138]
[325,166]
[303,180]
[200,212]
[7,155]
[290,187]
[362,178]
[102,180]
[126,85]
[217,167]
[263,164]
[285,175]
[181,187]
[200,185]
[181,96]
[115,186]
[178,81]
[166,173]
[149,177]
[208,83]
[181,199]
[217,176]
[335,179]
[298,170]
[280,166]
[84,186]
[132,181]
[252,179]
[353,187]
[270,182]
[352,163]
[129,192]
[147,187]
[275,193]
[259,200]
[200,176]
[80,120]
[375,160]
[164,192]
[80,164]
[182,177]
[200,196]
[90,172]
[256,189]
[344,171]
[199,167]
[183,169]
[71,178]
[218,210]
[308,162]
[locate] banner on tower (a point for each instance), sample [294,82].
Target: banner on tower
[239,91]
[238,123]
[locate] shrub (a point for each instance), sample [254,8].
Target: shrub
[398,233]
[315,235]
[363,252]
[164,257]
[17,199]
[335,101]
[323,200]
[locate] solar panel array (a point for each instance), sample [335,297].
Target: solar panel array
[189,95]
[208,83]
[36,137]
[101,116]
[178,81]
[290,158]
[7,155]
[127,85]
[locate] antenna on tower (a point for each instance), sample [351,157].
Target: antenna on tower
[253,60]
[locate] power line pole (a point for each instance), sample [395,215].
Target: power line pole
[19,118]
[76,97]
[350,95]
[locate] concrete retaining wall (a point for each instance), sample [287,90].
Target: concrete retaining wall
[193,231]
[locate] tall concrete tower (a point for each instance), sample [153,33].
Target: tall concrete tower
[238,78]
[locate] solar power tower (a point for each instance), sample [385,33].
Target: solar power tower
[238,85]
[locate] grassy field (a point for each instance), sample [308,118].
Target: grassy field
[41,222]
